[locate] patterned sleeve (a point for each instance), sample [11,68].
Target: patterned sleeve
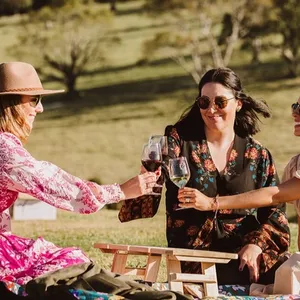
[5,224]
[292,170]
[272,235]
[146,206]
[20,172]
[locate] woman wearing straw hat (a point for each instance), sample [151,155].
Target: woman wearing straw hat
[22,259]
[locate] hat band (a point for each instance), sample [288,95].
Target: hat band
[21,90]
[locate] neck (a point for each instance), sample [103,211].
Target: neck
[219,138]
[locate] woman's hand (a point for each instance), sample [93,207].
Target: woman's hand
[192,198]
[250,255]
[139,185]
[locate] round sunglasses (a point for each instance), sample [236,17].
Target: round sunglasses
[35,100]
[220,101]
[296,108]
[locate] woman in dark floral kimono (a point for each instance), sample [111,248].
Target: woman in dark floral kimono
[215,135]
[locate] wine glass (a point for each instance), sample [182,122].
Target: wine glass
[179,172]
[162,140]
[152,159]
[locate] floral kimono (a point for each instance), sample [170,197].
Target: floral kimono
[250,166]
[22,259]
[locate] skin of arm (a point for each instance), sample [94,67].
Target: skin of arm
[285,192]
[273,195]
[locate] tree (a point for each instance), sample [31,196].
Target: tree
[198,36]
[288,16]
[10,7]
[256,24]
[63,48]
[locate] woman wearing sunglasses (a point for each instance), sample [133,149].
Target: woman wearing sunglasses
[287,191]
[215,135]
[22,259]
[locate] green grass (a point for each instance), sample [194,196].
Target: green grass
[101,135]
[84,230]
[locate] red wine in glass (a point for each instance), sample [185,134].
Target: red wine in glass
[152,159]
[151,165]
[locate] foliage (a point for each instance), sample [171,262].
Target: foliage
[256,23]
[288,15]
[62,46]
[10,7]
[38,4]
[185,43]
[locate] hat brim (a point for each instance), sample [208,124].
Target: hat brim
[34,92]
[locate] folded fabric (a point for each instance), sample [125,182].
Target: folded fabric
[89,277]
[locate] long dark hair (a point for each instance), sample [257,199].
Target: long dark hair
[247,119]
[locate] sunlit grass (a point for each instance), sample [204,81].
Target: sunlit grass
[100,136]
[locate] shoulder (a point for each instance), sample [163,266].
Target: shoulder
[172,131]
[294,161]
[11,148]
[255,147]
[292,166]
[8,139]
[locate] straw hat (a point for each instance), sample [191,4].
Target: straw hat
[22,79]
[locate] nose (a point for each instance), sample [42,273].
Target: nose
[212,106]
[39,108]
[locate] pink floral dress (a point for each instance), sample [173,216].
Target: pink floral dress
[22,259]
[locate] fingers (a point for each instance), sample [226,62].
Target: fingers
[250,256]
[143,170]
[186,205]
[147,181]
[242,264]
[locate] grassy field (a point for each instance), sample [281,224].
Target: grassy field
[100,136]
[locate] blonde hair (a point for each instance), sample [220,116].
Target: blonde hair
[12,117]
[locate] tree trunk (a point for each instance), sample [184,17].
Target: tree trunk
[256,49]
[113,5]
[71,86]
[292,62]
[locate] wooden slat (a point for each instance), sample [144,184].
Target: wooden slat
[174,266]
[199,278]
[134,271]
[166,250]
[119,263]
[203,253]
[153,264]
[199,259]
[210,289]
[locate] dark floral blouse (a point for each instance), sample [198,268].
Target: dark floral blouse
[250,166]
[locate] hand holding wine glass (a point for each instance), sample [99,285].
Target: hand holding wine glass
[152,159]
[179,172]
[162,140]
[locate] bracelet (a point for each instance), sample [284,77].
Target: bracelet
[216,205]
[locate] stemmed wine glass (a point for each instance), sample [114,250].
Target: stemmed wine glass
[152,159]
[163,141]
[179,173]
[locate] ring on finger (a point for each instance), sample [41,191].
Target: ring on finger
[187,199]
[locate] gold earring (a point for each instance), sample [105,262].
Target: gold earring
[238,109]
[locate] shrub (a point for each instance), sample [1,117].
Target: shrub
[10,7]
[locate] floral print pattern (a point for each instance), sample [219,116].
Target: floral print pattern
[23,259]
[250,166]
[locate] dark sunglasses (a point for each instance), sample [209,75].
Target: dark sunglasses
[35,100]
[220,101]
[296,108]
